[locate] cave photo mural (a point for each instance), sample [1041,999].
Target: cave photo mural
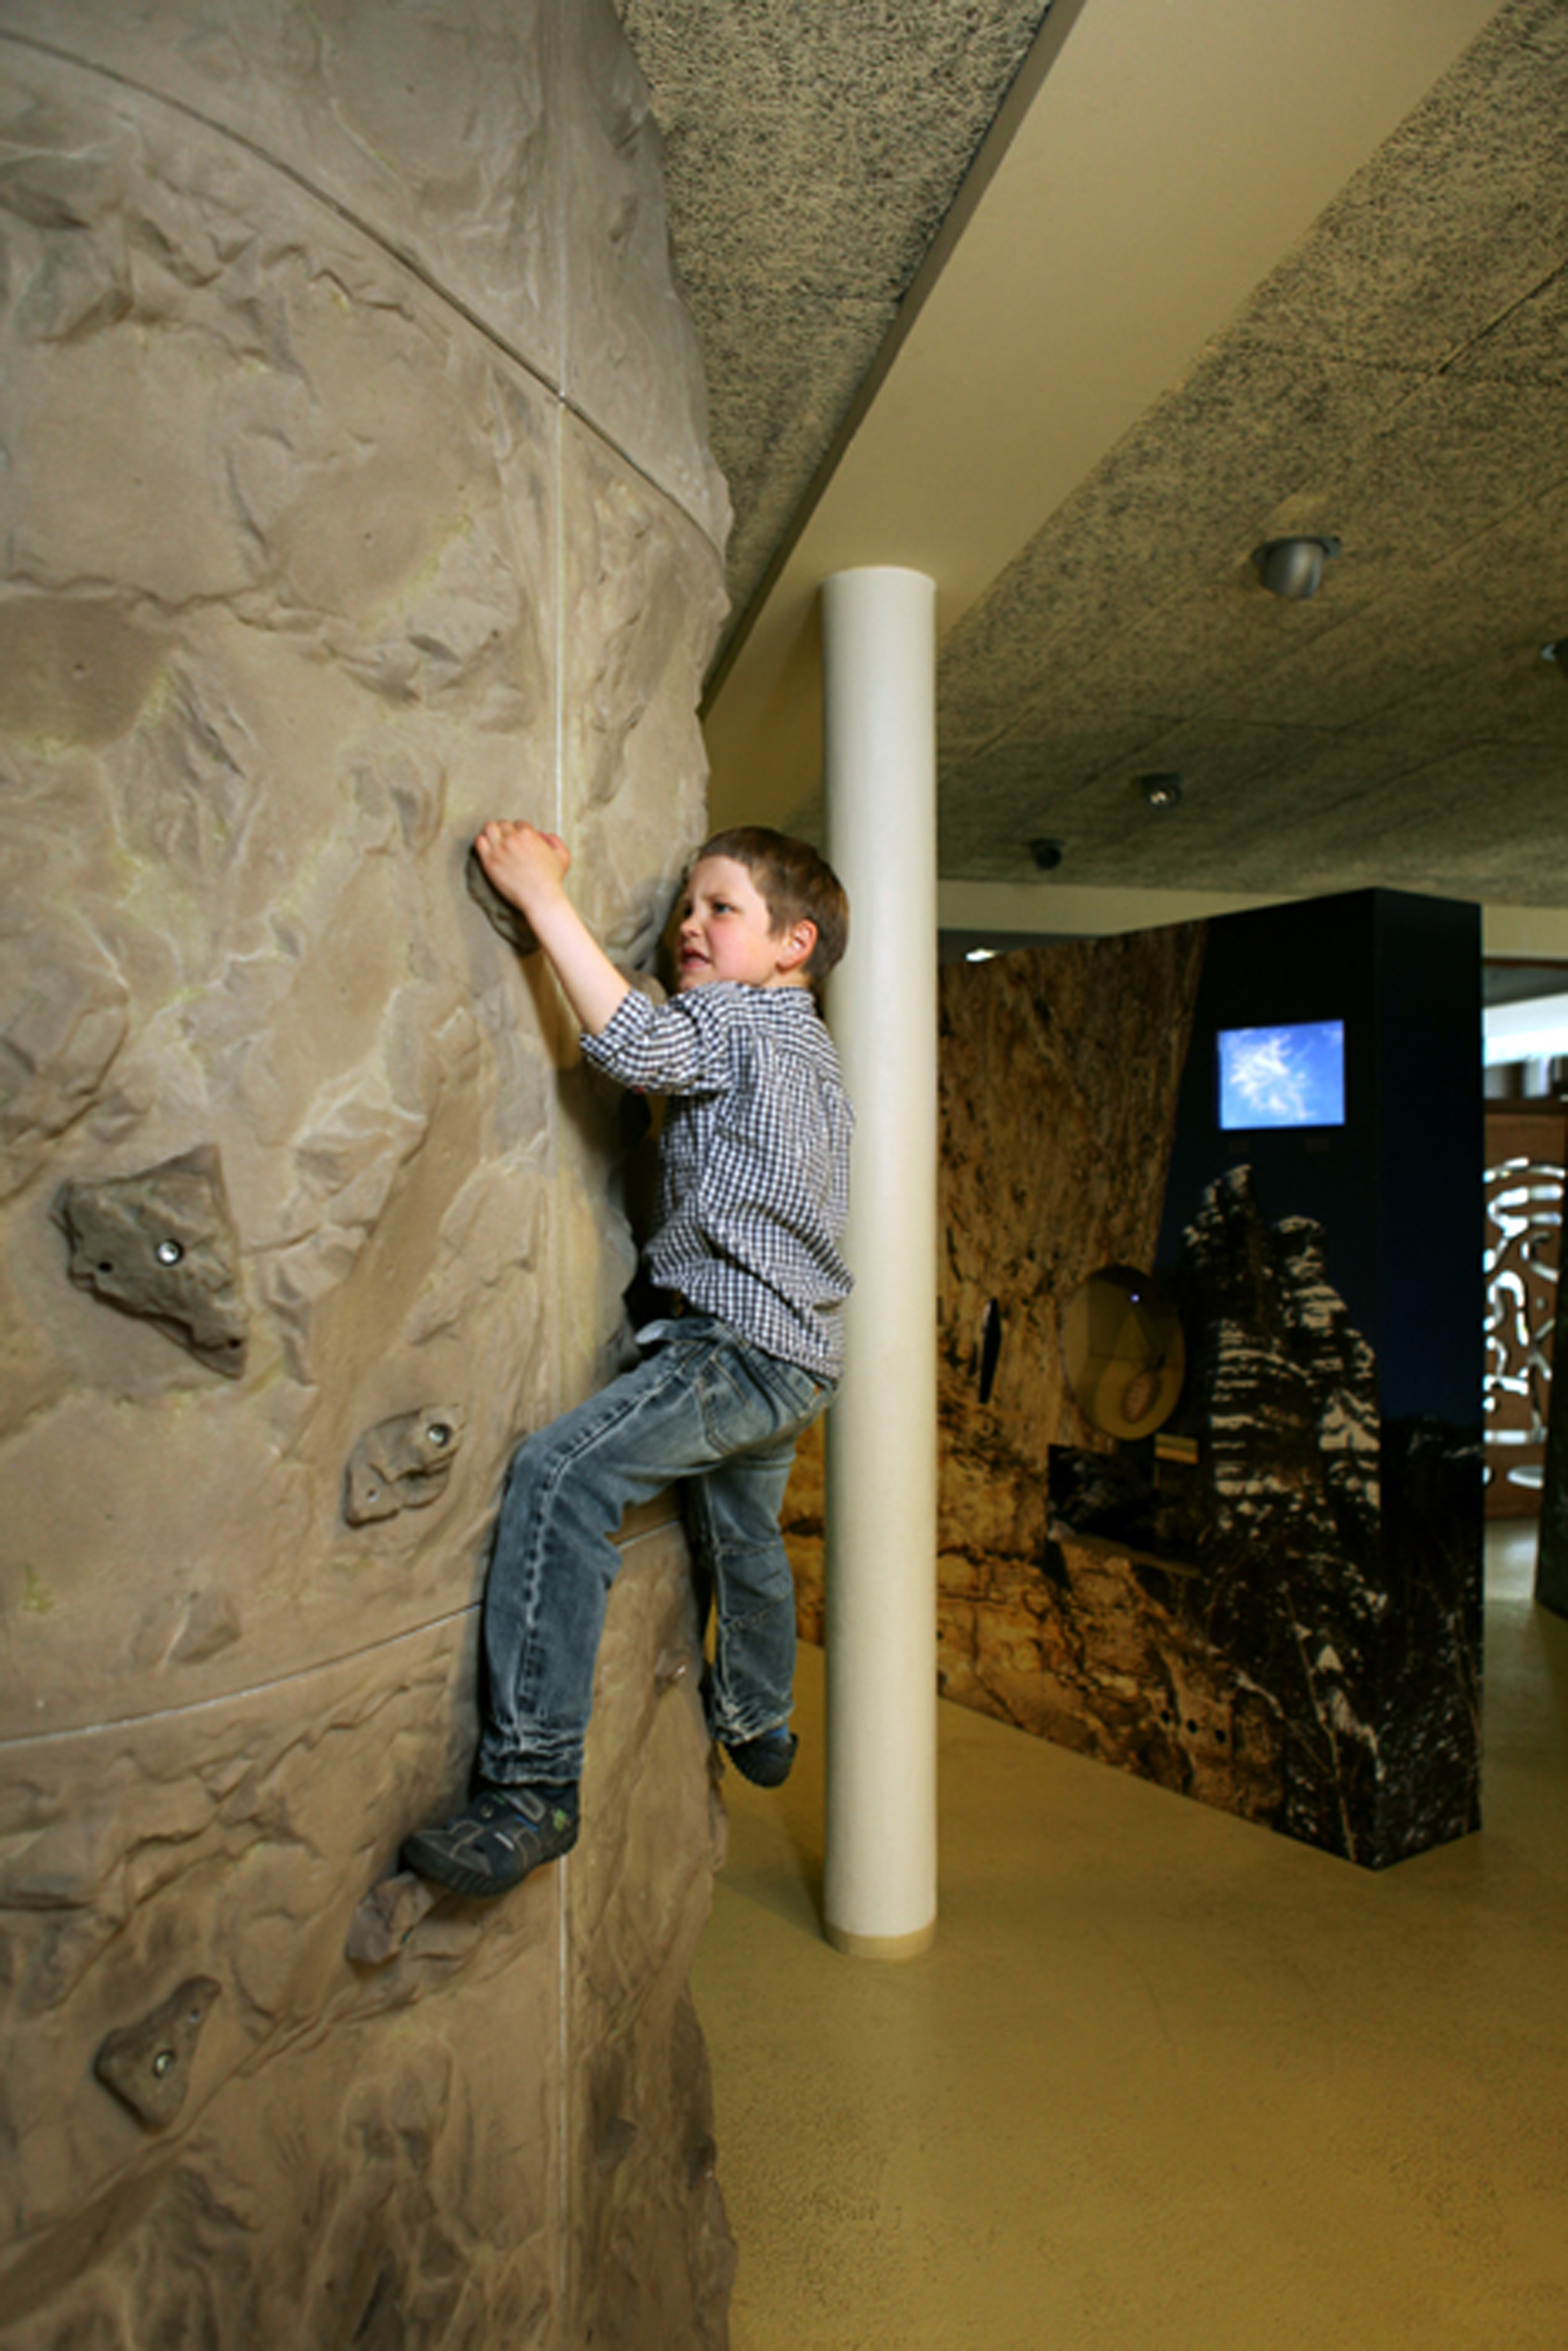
[1251,1569]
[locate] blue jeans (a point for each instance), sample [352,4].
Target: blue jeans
[704,1404]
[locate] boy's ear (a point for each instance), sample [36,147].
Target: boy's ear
[797,944]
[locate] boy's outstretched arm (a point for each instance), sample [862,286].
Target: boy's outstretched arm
[529,868]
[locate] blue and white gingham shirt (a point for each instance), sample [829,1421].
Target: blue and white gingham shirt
[754,1160]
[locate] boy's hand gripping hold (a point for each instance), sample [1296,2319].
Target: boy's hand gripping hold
[530,870]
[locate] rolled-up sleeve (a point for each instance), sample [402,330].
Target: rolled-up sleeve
[677,1047]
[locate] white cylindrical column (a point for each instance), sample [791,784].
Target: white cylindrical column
[879,757]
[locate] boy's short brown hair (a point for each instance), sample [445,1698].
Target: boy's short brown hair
[795,884]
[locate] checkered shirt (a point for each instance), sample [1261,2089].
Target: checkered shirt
[753,1161]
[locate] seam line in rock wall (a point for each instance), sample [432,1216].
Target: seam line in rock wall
[373,236]
[249,1690]
[561,597]
[564,2285]
[554,37]
[10,1743]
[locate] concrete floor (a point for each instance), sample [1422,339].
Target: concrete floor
[1166,2080]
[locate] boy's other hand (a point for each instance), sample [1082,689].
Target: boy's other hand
[527,866]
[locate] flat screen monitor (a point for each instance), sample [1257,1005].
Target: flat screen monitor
[1291,1075]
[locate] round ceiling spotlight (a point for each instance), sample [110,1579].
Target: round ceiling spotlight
[1162,791]
[1047,854]
[1292,568]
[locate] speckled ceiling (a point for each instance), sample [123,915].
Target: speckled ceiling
[812,154]
[1400,380]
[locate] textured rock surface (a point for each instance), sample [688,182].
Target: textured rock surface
[354,492]
[356,2137]
[1059,1070]
[1058,1077]
[462,134]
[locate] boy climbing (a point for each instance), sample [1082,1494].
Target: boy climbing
[753,1191]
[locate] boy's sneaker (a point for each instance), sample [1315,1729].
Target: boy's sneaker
[501,1835]
[765,1761]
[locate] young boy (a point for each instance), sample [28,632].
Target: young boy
[753,1188]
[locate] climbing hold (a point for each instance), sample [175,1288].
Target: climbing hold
[402,1464]
[160,1244]
[517,932]
[513,927]
[387,1916]
[148,2065]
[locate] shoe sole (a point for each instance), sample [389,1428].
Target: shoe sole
[427,1860]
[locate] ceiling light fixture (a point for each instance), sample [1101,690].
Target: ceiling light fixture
[1163,791]
[980,955]
[1292,568]
[1047,854]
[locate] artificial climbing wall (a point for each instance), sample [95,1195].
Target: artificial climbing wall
[355,489]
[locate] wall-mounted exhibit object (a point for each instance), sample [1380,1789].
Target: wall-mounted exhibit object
[1122,1344]
[1526,1151]
[356,492]
[1552,1550]
[990,1352]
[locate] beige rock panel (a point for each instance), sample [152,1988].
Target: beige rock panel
[296,537]
[351,2135]
[431,126]
[633,768]
[230,1842]
[634,772]
[626,326]
[652,2257]
[242,785]
[505,149]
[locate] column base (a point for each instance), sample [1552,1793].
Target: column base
[881,1946]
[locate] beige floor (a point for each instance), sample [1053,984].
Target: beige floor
[1167,2082]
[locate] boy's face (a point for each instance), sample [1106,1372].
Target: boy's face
[726,932]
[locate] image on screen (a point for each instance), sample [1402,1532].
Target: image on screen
[1291,1076]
